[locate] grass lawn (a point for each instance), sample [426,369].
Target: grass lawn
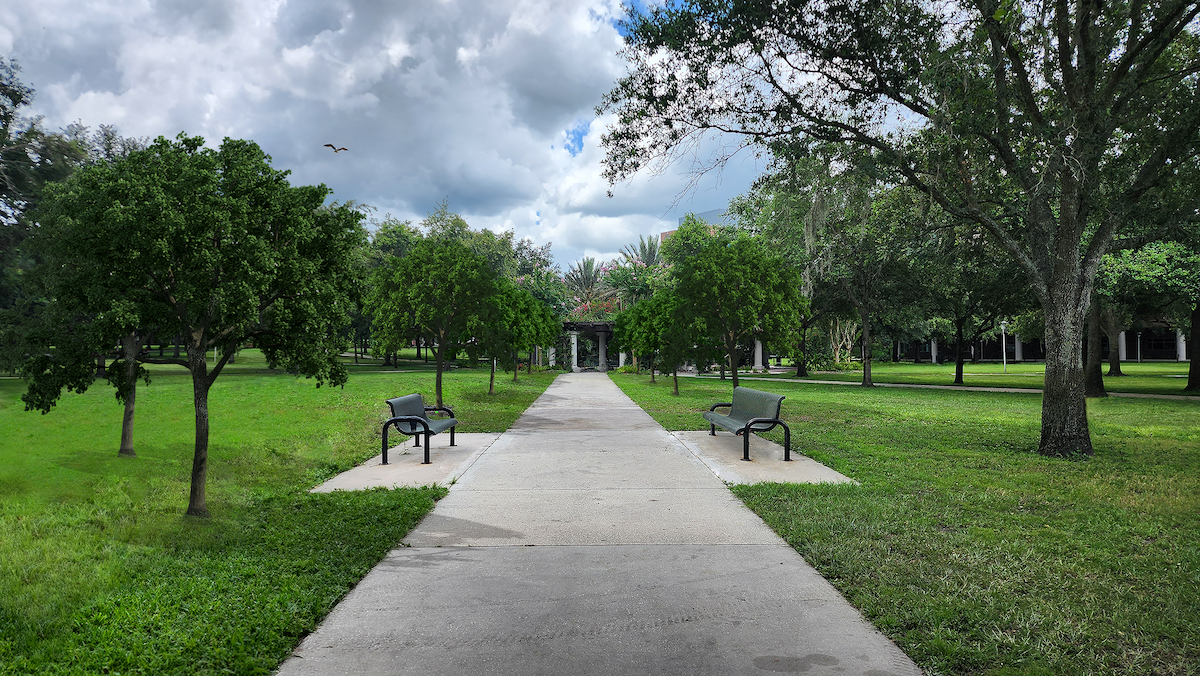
[100,572]
[976,555]
[1162,377]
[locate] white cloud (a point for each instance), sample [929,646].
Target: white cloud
[471,100]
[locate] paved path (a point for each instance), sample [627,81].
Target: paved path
[588,540]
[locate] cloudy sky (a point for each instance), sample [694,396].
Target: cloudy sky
[486,103]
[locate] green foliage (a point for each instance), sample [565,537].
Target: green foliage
[730,287]
[972,552]
[438,291]
[1056,128]
[214,244]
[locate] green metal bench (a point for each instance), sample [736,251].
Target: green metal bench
[410,416]
[751,411]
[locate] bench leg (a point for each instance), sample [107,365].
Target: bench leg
[385,430]
[417,440]
[787,443]
[451,436]
[712,430]
[427,435]
[746,445]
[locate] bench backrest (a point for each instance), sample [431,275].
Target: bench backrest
[411,404]
[748,403]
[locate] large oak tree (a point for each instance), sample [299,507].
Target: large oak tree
[1050,124]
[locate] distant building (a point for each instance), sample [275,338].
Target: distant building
[715,216]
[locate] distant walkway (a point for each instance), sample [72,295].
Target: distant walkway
[961,388]
[588,540]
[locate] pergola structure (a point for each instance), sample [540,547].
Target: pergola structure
[602,330]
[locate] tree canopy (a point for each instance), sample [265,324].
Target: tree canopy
[216,244]
[732,285]
[1053,126]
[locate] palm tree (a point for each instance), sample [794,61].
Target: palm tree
[645,253]
[585,281]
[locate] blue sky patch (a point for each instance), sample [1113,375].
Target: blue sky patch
[575,136]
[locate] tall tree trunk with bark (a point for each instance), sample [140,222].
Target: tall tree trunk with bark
[1064,405]
[492,378]
[866,348]
[1193,382]
[958,351]
[130,346]
[198,365]
[1093,378]
[802,353]
[731,350]
[675,376]
[441,346]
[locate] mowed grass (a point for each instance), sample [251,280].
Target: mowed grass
[1145,378]
[100,572]
[976,555]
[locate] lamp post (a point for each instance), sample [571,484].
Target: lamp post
[1004,344]
[1139,337]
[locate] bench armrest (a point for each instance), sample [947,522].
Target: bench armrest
[406,418]
[716,406]
[444,409]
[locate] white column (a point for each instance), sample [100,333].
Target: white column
[933,349]
[1121,347]
[1018,354]
[575,351]
[550,354]
[1180,346]
[620,359]
[758,362]
[603,350]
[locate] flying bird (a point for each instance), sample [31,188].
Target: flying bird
[335,149]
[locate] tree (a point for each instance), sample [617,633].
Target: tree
[29,158]
[218,242]
[1050,125]
[970,283]
[1173,268]
[439,290]
[593,297]
[732,284]
[867,250]
[78,309]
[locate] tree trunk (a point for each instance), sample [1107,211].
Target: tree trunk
[650,365]
[1193,383]
[801,366]
[516,364]
[731,348]
[958,351]
[1114,354]
[198,364]
[438,380]
[866,348]
[675,375]
[492,378]
[1064,406]
[1093,378]
[130,346]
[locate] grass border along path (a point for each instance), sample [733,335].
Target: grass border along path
[100,572]
[972,552]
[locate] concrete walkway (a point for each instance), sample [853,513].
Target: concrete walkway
[588,540]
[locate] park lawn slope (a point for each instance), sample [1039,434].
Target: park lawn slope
[100,572]
[975,554]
